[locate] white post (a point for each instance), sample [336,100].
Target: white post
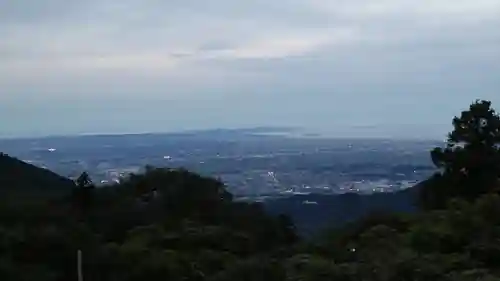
[79,265]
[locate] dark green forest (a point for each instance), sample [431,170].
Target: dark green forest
[171,224]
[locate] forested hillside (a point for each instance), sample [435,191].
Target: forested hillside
[176,225]
[19,177]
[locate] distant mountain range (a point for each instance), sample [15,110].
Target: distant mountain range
[208,133]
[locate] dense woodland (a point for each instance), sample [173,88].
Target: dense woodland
[170,224]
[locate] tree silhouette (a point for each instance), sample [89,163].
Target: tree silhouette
[84,180]
[470,162]
[83,194]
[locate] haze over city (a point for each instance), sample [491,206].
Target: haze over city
[349,68]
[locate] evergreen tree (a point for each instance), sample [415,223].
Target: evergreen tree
[84,180]
[470,162]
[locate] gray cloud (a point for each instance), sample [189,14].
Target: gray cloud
[318,57]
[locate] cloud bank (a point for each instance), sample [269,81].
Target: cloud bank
[167,65]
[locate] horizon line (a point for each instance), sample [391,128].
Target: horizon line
[263,131]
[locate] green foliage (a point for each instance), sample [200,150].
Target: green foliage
[163,224]
[470,162]
[170,224]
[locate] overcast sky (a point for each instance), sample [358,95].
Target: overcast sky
[390,68]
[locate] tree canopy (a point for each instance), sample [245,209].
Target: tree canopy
[172,224]
[470,162]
